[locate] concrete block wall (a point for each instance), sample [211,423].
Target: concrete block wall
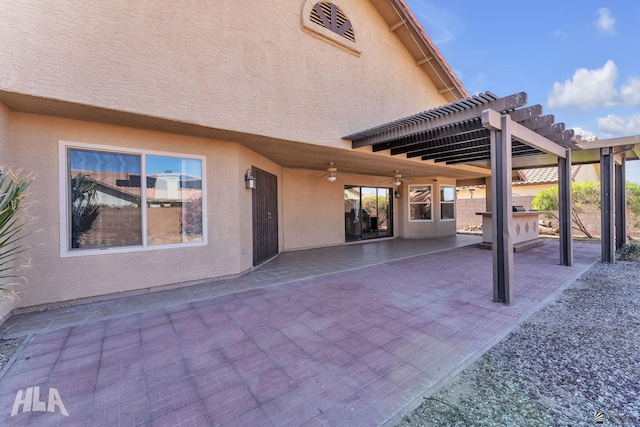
[466,209]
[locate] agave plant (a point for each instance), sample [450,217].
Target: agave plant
[12,226]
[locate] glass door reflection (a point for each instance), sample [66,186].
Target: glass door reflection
[367,213]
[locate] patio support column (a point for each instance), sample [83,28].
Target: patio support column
[621,203]
[564,199]
[501,212]
[606,201]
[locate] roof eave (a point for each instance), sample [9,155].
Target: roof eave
[452,88]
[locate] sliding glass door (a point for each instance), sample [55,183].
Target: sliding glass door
[367,213]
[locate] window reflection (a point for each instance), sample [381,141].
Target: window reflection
[447,202]
[174,198]
[104,212]
[106,191]
[419,202]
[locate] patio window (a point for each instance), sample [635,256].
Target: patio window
[122,200]
[420,203]
[447,203]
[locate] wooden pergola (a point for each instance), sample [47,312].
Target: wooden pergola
[484,129]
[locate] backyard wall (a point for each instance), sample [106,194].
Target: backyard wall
[466,209]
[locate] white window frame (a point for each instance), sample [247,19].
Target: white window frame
[409,202]
[442,202]
[65,251]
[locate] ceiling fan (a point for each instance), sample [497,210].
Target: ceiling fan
[396,179]
[332,173]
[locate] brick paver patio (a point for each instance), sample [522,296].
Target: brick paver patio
[358,346]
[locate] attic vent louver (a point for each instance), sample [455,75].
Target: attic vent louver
[328,15]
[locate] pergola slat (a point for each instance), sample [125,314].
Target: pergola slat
[427,136]
[480,140]
[482,154]
[538,122]
[526,113]
[439,117]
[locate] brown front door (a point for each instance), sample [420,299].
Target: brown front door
[265,216]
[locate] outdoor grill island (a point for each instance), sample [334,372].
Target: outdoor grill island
[525,233]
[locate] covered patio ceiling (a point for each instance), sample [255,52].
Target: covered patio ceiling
[455,134]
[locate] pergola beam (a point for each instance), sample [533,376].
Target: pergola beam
[492,120]
[538,122]
[527,113]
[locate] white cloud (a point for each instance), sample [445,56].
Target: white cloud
[587,89]
[630,92]
[559,34]
[613,126]
[441,25]
[605,23]
[582,132]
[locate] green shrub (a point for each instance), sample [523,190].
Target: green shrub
[12,226]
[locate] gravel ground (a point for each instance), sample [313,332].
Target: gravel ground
[577,356]
[7,348]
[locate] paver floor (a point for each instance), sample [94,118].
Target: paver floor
[354,347]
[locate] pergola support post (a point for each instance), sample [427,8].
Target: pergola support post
[564,199]
[621,203]
[501,213]
[606,201]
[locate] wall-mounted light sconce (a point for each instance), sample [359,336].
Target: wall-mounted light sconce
[396,193]
[250,180]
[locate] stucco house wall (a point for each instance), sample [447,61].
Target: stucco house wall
[228,81]
[238,66]
[59,278]
[433,228]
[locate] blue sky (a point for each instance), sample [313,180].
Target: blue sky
[579,60]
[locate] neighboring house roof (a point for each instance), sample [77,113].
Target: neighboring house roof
[532,176]
[126,186]
[542,175]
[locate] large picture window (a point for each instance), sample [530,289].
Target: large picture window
[447,202]
[420,203]
[131,200]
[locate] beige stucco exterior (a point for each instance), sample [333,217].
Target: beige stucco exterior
[239,66]
[241,84]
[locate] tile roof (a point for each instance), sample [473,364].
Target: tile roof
[542,175]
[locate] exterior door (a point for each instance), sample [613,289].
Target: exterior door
[368,212]
[265,216]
